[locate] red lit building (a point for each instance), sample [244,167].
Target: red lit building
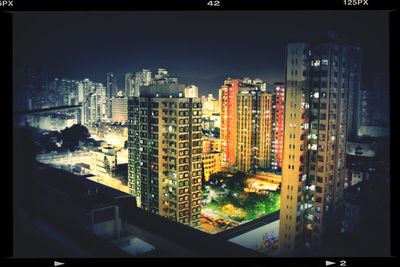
[278,110]
[228,103]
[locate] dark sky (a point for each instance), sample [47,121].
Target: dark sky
[199,47]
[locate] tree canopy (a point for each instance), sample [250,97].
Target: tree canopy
[71,136]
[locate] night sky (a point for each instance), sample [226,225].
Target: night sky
[200,47]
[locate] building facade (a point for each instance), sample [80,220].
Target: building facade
[254,123]
[165,164]
[93,104]
[104,161]
[129,84]
[211,163]
[111,91]
[318,78]
[228,105]
[211,156]
[211,144]
[192,91]
[142,78]
[120,109]
[278,117]
[210,105]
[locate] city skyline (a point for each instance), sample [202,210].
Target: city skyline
[286,146]
[197,50]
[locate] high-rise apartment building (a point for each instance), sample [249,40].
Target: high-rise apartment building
[353,91]
[129,84]
[318,80]
[363,108]
[165,164]
[94,103]
[278,117]
[254,123]
[142,78]
[379,99]
[111,91]
[228,105]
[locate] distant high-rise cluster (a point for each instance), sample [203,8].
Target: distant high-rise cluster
[94,102]
[252,118]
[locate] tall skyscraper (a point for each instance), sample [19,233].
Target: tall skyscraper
[278,117]
[318,78]
[80,93]
[165,164]
[228,105]
[379,99]
[129,84]
[363,108]
[111,90]
[254,123]
[94,104]
[100,90]
[353,90]
[142,78]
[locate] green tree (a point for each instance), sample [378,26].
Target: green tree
[261,208]
[217,178]
[237,182]
[72,135]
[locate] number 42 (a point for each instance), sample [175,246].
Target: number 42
[213,3]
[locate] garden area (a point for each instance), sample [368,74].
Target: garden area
[226,197]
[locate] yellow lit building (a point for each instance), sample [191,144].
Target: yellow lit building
[254,125]
[192,91]
[210,106]
[315,139]
[211,163]
[211,145]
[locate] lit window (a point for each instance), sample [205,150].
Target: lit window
[314,147]
[315,63]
